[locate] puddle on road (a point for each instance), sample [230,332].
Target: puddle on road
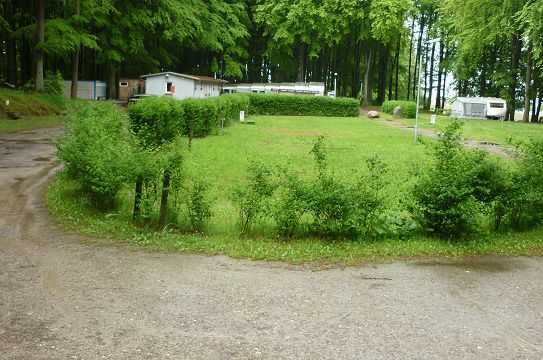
[487,265]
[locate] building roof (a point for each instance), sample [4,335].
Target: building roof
[191,77]
[479,100]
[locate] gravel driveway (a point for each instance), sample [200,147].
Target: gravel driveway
[61,299]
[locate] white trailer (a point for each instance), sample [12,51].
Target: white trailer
[479,107]
[300,88]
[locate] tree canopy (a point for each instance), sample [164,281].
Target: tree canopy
[377,48]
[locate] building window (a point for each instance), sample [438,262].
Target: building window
[169,87]
[123,84]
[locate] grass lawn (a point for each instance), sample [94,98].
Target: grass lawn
[500,132]
[222,161]
[28,123]
[34,109]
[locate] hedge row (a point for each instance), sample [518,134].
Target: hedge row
[197,117]
[200,117]
[409,108]
[291,105]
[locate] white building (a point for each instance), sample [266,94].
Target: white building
[313,88]
[479,107]
[88,90]
[182,86]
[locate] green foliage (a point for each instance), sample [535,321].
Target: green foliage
[54,84]
[409,108]
[459,187]
[156,120]
[252,198]
[97,150]
[521,202]
[199,205]
[271,104]
[26,104]
[333,207]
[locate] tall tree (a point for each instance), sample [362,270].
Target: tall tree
[40,38]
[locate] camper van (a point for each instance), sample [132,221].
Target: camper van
[479,107]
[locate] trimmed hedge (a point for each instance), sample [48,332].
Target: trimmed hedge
[198,117]
[291,105]
[409,108]
[201,117]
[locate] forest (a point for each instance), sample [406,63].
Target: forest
[375,49]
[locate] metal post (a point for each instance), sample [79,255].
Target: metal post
[335,84]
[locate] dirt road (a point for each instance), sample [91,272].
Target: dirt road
[60,299]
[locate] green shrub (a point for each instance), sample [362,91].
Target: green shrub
[201,116]
[341,208]
[199,205]
[521,202]
[460,187]
[156,120]
[409,108]
[291,105]
[325,205]
[53,84]
[253,198]
[97,150]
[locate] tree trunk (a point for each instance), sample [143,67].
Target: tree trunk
[390,74]
[439,74]
[397,67]
[383,62]
[301,62]
[515,50]
[431,79]
[410,58]
[426,49]
[527,87]
[40,38]
[11,48]
[112,82]
[539,101]
[355,88]
[367,89]
[75,60]
[419,49]
[163,217]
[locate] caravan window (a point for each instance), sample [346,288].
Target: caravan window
[497,105]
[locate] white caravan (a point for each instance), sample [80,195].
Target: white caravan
[479,107]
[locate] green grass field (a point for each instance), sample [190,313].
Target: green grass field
[500,132]
[35,110]
[29,123]
[222,161]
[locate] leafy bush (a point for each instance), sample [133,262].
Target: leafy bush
[252,198]
[199,205]
[327,205]
[271,104]
[97,150]
[156,120]
[409,108]
[521,202]
[460,186]
[53,84]
[342,208]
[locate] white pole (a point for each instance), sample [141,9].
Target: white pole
[335,84]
